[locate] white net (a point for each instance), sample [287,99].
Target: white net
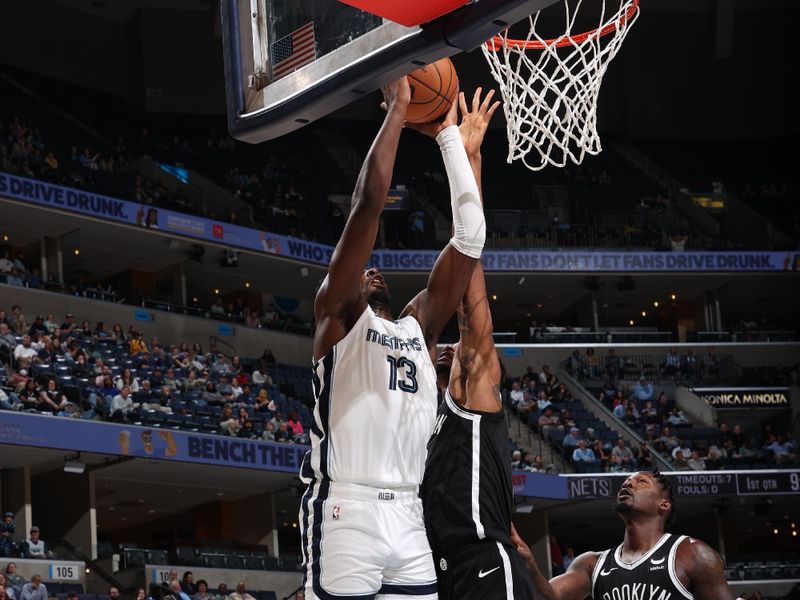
[550,87]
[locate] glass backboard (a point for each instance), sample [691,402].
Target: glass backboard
[290,62]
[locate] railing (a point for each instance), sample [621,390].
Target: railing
[720,369]
[543,336]
[524,236]
[774,335]
[77,553]
[204,313]
[215,341]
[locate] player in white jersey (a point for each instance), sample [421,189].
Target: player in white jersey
[362,530]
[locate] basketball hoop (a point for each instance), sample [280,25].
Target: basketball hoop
[550,87]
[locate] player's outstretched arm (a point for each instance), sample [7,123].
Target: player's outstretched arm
[339,302]
[435,305]
[704,569]
[575,584]
[476,351]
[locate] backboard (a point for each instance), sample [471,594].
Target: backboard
[290,62]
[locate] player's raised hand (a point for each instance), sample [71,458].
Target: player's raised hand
[396,95]
[475,121]
[434,128]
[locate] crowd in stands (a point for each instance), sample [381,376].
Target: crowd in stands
[15,587]
[286,184]
[654,415]
[78,370]
[31,547]
[548,408]
[15,269]
[760,172]
[674,365]
[186,588]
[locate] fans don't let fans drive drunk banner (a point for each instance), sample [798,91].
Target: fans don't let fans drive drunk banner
[170,222]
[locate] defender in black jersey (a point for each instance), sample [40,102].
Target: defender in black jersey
[466,491]
[648,565]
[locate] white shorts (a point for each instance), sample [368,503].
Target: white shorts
[364,543]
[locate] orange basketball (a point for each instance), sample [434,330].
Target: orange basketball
[434,88]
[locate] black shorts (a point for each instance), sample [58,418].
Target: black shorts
[485,571]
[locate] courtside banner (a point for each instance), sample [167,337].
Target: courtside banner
[746,397]
[495,261]
[42,431]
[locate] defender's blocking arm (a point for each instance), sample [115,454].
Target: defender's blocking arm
[435,305]
[476,353]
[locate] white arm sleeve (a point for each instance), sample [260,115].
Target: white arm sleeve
[469,224]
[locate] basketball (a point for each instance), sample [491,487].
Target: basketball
[434,88]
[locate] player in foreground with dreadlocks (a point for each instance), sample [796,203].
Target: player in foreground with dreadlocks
[649,564]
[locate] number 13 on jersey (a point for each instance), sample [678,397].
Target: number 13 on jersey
[409,382]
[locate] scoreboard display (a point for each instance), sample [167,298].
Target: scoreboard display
[694,484]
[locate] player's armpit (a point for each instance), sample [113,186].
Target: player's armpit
[434,306]
[699,566]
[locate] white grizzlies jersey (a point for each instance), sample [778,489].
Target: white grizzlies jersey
[375,407]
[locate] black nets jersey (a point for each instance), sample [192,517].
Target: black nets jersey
[651,577]
[466,491]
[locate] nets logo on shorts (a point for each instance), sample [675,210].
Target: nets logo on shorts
[336,513]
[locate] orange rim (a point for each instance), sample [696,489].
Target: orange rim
[498,42]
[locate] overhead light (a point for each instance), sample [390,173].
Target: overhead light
[539,305]
[87,570]
[216,291]
[775,531]
[74,466]
[644,313]
[794,533]
[77,252]
[5,237]
[655,304]
[674,296]
[247,284]
[630,322]
[494,296]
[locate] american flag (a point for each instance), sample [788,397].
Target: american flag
[293,51]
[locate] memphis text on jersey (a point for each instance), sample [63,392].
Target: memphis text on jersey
[393,342]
